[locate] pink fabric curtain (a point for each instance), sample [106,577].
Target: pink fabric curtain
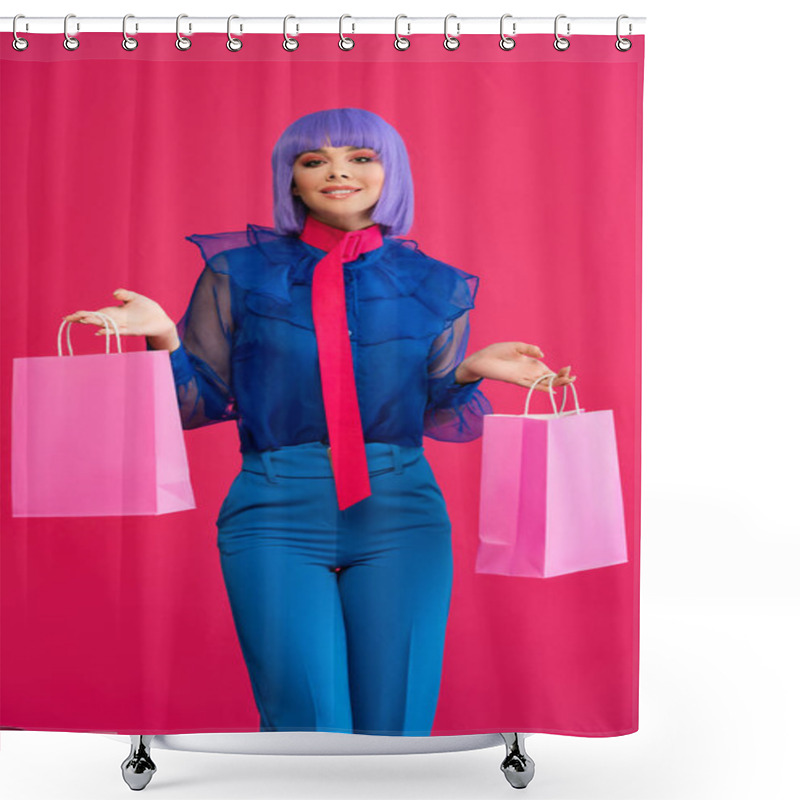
[527,173]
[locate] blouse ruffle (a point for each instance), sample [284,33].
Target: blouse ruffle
[436,292]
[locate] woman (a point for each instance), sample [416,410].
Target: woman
[340,601]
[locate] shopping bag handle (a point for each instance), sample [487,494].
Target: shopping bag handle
[552,396]
[105,328]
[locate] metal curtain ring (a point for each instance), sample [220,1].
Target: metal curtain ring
[506,42]
[345,43]
[18,43]
[451,42]
[623,45]
[233,44]
[70,42]
[289,42]
[400,42]
[561,43]
[182,43]
[128,42]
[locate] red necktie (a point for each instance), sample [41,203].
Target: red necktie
[346,435]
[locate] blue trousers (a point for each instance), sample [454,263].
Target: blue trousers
[340,615]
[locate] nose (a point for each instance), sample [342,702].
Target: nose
[338,169]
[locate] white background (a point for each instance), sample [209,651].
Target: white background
[719,616]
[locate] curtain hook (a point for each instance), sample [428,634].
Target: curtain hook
[451,42]
[182,43]
[561,43]
[18,43]
[400,42]
[506,42]
[345,42]
[289,42]
[128,42]
[623,45]
[70,42]
[233,44]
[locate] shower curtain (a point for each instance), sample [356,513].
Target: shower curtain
[292,569]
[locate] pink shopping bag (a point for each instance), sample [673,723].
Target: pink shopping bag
[551,495]
[97,435]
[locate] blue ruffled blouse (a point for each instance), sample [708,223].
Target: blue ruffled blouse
[248,348]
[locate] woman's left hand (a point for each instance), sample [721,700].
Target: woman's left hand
[513,362]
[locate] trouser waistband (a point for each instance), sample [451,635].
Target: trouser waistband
[312,460]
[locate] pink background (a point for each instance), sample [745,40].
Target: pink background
[527,172]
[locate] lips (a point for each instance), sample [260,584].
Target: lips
[333,194]
[341,191]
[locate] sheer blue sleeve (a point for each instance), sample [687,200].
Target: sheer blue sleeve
[454,412]
[201,365]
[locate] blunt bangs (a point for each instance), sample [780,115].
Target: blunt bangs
[342,127]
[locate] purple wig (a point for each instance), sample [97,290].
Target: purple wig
[342,127]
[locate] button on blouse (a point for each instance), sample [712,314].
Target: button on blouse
[248,349]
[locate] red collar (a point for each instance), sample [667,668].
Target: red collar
[326,237]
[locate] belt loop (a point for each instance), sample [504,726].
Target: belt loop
[397,459]
[269,467]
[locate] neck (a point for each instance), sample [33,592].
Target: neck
[342,225]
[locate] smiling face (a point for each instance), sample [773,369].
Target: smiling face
[339,185]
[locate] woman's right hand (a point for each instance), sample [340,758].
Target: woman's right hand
[137,316]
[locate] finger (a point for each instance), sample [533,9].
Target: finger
[544,383]
[76,315]
[124,294]
[530,350]
[80,316]
[94,319]
[555,380]
[113,323]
